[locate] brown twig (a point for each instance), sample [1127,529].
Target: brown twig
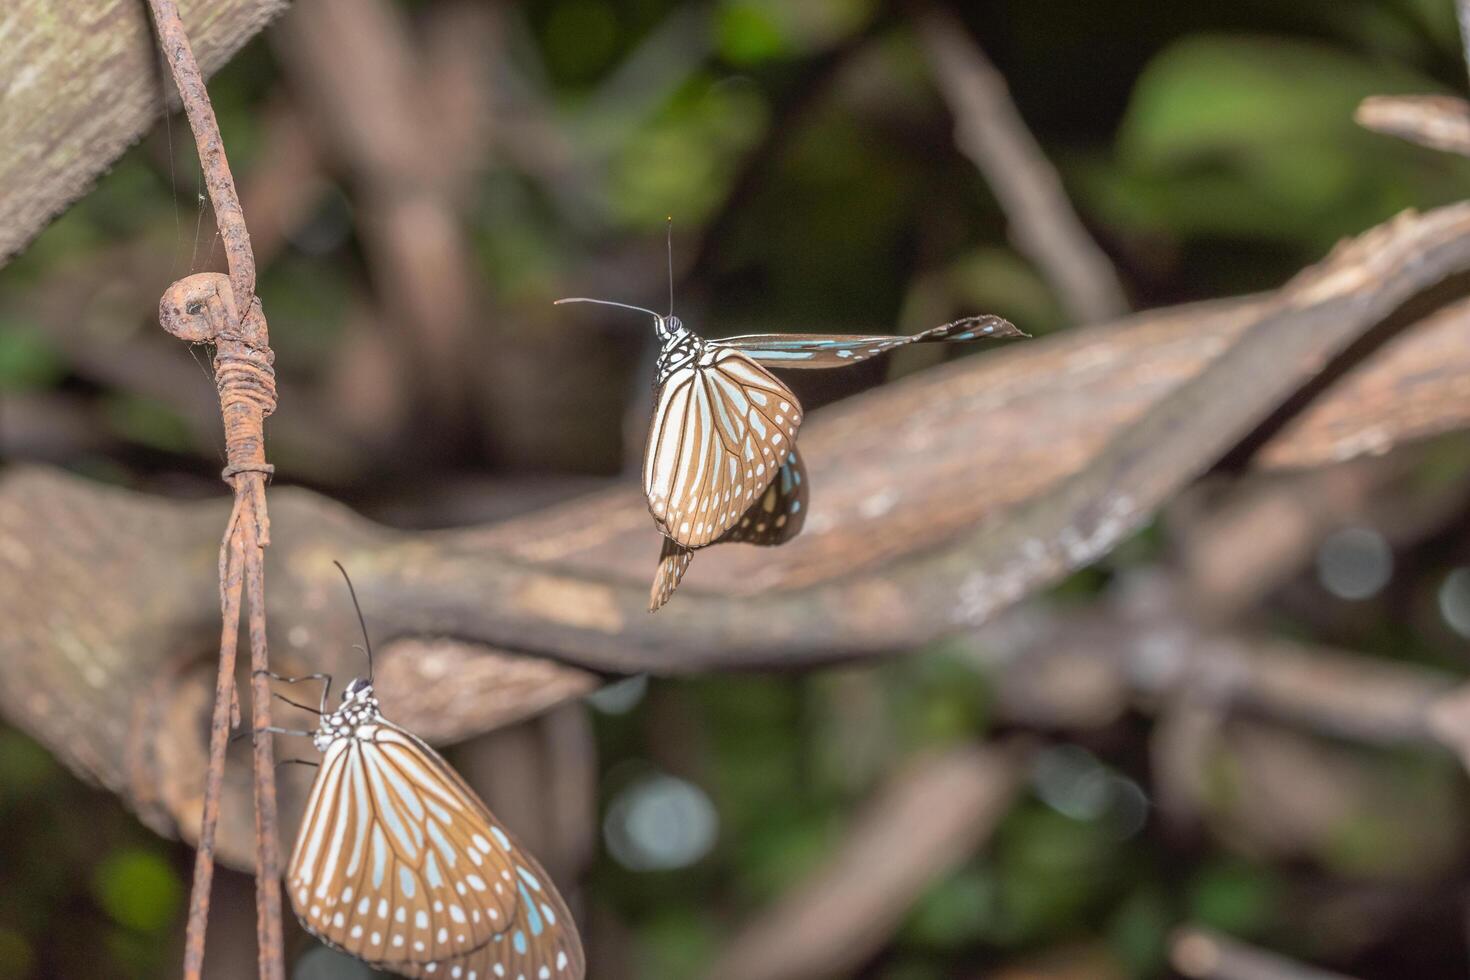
[208,308]
[1083,670]
[408,179]
[1209,955]
[1440,122]
[928,821]
[992,133]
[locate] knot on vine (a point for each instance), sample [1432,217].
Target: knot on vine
[201,309]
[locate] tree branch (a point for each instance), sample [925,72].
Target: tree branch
[1440,122]
[992,133]
[1211,955]
[938,500]
[927,822]
[56,142]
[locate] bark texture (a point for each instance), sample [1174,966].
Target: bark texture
[60,60]
[936,501]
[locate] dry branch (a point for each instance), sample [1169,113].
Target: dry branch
[965,486]
[385,126]
[991,132]
[930,820]
[211,308]
[1210,955]
[1440,122]
[1083,670]
[56,142]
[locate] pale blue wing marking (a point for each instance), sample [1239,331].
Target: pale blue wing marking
[838,350]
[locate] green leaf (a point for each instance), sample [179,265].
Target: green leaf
[748,34]
[1239,898]
[28,361]
[138,889]
[1254,137]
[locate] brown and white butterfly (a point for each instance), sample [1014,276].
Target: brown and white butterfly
[721,464]
[400,864]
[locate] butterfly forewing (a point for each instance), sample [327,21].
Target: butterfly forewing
[721,426]
[673,561]
[400,864]
[838,350]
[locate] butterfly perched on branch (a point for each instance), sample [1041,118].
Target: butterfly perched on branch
[721,463]
[400,864]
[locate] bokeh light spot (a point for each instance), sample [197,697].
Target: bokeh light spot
[660,823]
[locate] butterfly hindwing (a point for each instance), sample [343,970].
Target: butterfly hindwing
[721,425]
[777,516]
[780,350]
[400,864]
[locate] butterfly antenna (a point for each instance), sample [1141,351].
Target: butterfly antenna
[605,302]
[670,235]
[360,621]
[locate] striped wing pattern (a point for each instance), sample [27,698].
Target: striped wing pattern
[400,864]
[673,560]
[775,518]
[838,350]
[721,426]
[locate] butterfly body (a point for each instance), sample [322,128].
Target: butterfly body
[678,347]
[400,864]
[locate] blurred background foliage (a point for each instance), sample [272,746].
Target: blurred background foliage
[809,166]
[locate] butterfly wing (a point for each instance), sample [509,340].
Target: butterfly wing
[673,560]
[720,427]
[838,350]
[773,519]
[780,512]
[400,864]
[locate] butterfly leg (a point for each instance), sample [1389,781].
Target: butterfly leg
[296,704]
[272,730]
[326,689]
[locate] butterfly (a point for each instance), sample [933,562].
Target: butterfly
[399,863]
[720,464]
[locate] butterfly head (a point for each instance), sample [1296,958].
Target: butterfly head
[359,707]
[358,689]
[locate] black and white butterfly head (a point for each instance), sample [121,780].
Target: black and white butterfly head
[359,705]
[359,708]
